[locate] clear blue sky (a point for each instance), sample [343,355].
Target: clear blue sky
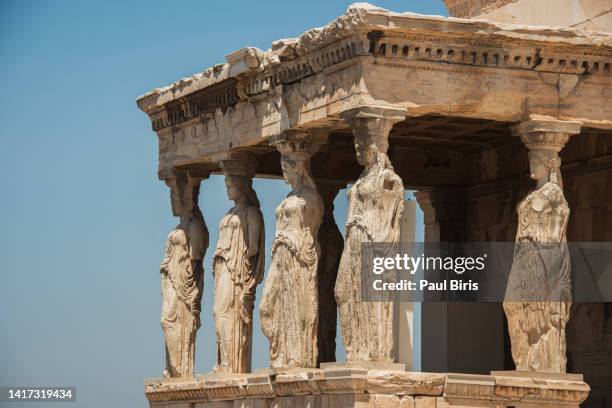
[84,217]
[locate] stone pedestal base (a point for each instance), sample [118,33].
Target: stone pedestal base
[348,387]
[358,365]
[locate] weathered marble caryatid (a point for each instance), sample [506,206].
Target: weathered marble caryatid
[182,277]
[332,243]
[238,267]
[289,307]
[376,202]
[538,295]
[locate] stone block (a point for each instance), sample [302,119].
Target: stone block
[364,365]
[385,401]
[336,400]
[343,380]
[407,402]
[302,401]
[425,402]
[252,403]
[404,383]
[215,404]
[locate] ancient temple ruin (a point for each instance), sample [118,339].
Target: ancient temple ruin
[455,108]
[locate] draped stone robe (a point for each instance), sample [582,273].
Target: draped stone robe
[182,283]
[538,295]
[236,280]
[289,307]
[376,202]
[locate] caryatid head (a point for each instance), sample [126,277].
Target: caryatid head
[371,125]
[239,171]
[367,150]
[543,163]
[295,159]
[184,192]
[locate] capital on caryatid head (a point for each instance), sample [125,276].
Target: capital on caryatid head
[237,164]
[546,134]
[296,146]
[545,138]
[184,189]
[297,143]
[374,122]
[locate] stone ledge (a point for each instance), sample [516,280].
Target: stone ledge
[371,386]
[358,18]
[514,388]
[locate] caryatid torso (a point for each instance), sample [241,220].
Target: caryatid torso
[543,215]
[375,202]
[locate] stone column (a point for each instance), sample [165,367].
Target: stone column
[443,214]
[331,243]
[538,296]
[405,340]
[182,274]
[237,266]
[375,209]
[289,307]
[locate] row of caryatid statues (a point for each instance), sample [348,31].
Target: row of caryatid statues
[310,263]
[312,273]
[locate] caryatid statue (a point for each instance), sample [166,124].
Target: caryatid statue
[376,202]
[289,306]
[538,296]
[182,277]
[238,267]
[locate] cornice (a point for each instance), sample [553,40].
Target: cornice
[394,39]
